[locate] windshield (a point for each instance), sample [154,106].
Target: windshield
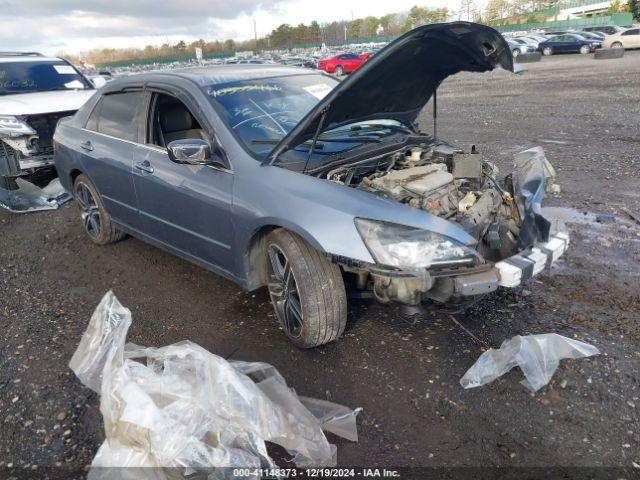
[261,112]
[39,76]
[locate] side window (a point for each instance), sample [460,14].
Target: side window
[92,123]
[170,120]
[117,115]
[634,31]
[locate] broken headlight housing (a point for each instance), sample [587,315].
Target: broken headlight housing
[410,248]
[10,125]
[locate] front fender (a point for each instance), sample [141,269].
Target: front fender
[322,212]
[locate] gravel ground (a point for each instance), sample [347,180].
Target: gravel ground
[583,112]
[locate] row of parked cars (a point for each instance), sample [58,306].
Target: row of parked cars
[572,41]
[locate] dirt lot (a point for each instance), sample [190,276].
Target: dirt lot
[584,113]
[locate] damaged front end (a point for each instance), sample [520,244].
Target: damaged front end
[511,243]
[481,233]
[27,162]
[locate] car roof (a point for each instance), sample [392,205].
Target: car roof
[27,58]
[214,74]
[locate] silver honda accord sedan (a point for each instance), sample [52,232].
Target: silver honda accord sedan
[286,178]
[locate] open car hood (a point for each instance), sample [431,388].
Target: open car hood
[399,81]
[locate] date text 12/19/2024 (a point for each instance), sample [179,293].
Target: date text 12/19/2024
[315,473]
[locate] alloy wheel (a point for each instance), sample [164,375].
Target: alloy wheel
[284,293]
[89,211]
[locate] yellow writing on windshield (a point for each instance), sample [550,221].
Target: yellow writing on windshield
[244,88]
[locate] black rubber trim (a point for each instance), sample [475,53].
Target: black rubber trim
[523,264]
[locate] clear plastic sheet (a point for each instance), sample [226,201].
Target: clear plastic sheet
[537,356]
[182,406]
[31,198]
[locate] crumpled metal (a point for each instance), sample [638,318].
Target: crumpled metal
[533,176]
[182,408]
[31,198]
[538,356]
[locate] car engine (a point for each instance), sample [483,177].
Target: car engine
[445,182]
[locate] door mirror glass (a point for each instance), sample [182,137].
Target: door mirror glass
[190,151]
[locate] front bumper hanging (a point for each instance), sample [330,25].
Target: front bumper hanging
[529,263]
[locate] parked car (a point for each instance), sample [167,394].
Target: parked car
[35,92]
[568,43]
[606,29]
[292,180]
[528,41]
[341,64]
[597,36]
[518,48]
[625,39]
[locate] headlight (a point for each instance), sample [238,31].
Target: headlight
[410,248]
[12,126]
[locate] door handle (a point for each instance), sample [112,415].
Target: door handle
[87,146]
[144,166]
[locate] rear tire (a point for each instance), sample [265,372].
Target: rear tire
[307,291]
[95,218]
[547,51]
[515,53]
[338,71]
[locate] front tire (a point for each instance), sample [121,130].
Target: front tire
[547,51]
[95,218]
[515,53]
[584,49]
[307,291]
[338,71]
[616,45]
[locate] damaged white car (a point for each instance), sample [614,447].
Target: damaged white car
[35,92]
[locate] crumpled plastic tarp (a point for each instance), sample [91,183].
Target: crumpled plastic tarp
[537,356]
[31,198]
[182,406]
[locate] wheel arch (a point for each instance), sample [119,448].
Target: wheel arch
[73,174]
[254,258]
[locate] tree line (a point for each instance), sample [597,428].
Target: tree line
[284,36]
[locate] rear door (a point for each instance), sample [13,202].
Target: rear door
[631,38]
[186,207]
[107,143]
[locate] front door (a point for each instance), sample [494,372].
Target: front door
[183,206]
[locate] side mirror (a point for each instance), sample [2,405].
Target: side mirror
[98,81]
[190,151]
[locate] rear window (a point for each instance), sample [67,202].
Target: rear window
[115,115]
[39,76]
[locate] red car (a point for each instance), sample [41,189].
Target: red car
[341,64]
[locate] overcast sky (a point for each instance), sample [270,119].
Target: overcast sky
[52,26]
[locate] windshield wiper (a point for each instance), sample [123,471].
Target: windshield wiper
[275,141]
[369,128]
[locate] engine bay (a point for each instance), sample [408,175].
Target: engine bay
[446,182]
